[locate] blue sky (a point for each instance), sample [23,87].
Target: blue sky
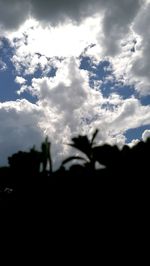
[101,71]
[7,76]
[66,72]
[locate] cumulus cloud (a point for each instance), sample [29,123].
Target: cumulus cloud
[73,107]
[131,114]
[67,95]
[20,80]
[67,106]
[133,143]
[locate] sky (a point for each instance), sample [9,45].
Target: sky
[69,67]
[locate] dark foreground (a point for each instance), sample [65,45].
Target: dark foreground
[81,191]
[124,178]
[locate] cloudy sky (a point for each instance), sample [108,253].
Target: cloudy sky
[68,67]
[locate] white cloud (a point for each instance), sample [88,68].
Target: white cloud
[35,46]
[68,94]
[3,65]
[115,19]
[20,80]
[146,135]
[133,143]
[131,114]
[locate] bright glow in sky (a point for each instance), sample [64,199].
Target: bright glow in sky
[66,69]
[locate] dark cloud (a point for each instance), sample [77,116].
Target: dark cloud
[14,12]
[60,10]
[117,15]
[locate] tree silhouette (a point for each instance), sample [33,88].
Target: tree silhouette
[84,145]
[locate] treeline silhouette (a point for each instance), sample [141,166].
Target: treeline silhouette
[30,175]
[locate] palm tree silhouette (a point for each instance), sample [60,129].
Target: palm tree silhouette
[83,144]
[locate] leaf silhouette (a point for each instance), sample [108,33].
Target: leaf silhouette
[94,136]
[83,144]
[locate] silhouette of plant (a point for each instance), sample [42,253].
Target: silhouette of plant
[46,155]
[107,155]
[24,178]
[83,144]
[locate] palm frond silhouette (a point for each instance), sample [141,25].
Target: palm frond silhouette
[84,145]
